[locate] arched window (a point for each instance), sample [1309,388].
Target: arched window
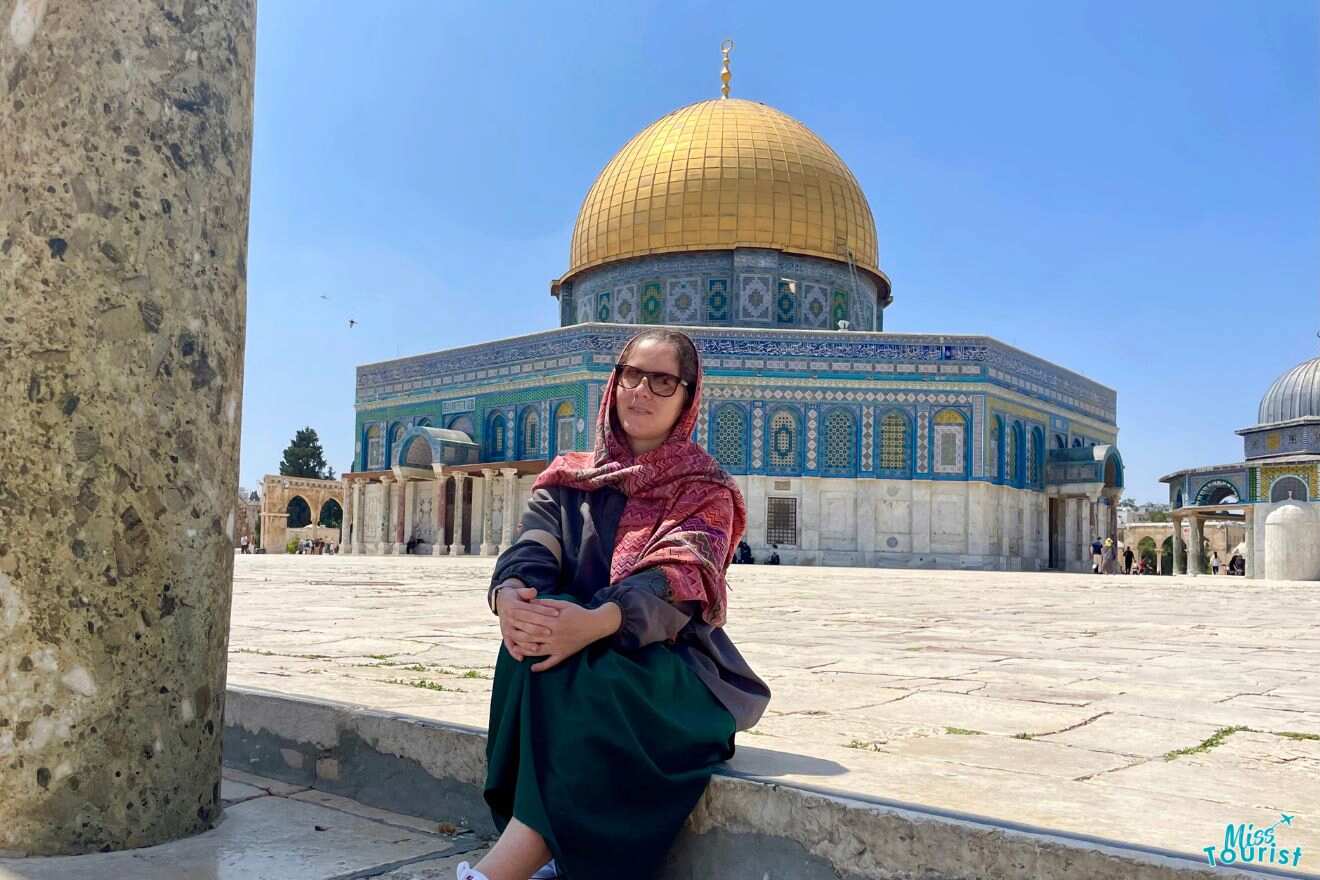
[531,435]
[783,442]
[730,437]
[565,430]
[375,449]
[1013,458]
[496,444]
[1060,441]
[392,450]
[1286,488]
[894,435]
[840,442]
[997,448]
[950,442]
[424,422]
[1213,492]
[1035,458]
[1077,443]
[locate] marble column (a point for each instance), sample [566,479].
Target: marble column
[1249,560]
[487,511]
[125,147]
[1194,542]
[406,533]
[397,494]
[386,544]
[359,492]
[1178,566]
[439,548]
[346,525]
[457,548]
[1071,561]
[506,523]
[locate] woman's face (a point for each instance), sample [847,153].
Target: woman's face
[645,417]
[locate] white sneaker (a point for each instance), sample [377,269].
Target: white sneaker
[467,872]
[548,871]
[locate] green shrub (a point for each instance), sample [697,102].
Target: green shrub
[292,546]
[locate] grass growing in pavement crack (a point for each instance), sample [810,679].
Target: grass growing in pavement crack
[425,685]
[963,731]
[1023,736]
[864,745]
[1292,734]
[1215,739]
[264,653]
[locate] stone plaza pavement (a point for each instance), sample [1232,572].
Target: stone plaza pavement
[276,831]
[1148,710]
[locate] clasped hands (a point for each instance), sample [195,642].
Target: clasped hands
[549,628]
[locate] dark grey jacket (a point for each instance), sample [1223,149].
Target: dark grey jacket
[582,525]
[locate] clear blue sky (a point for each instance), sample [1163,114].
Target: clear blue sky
[1131,190]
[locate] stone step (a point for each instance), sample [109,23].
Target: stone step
[746,826]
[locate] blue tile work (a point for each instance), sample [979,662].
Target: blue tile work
[653,303]
[762,371]
[747,273]
[839,308]
[1205,488]
[1298,438]
[717,301]
[786,303]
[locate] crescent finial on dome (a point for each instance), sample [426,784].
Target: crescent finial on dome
[725,75]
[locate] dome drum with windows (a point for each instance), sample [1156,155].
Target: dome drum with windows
[726,211]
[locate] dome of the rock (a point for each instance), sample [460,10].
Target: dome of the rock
[724,174]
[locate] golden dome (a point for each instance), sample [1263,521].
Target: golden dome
[721,174]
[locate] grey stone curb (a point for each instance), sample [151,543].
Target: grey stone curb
[744,827]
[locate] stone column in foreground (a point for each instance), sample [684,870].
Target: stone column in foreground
[125,144]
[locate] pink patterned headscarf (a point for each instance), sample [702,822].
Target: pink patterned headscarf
[684,513]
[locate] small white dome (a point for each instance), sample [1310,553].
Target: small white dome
[1290,512]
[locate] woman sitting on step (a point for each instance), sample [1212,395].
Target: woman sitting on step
[617,691]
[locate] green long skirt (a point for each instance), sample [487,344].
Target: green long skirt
[604,755]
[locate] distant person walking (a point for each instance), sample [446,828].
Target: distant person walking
[1128,556]
[1096,548]
[1214,562]
[1109,558]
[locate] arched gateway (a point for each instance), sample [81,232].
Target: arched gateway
[304,499]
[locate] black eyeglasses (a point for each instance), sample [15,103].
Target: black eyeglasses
[661,384]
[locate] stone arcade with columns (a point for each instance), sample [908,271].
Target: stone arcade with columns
[852,445]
